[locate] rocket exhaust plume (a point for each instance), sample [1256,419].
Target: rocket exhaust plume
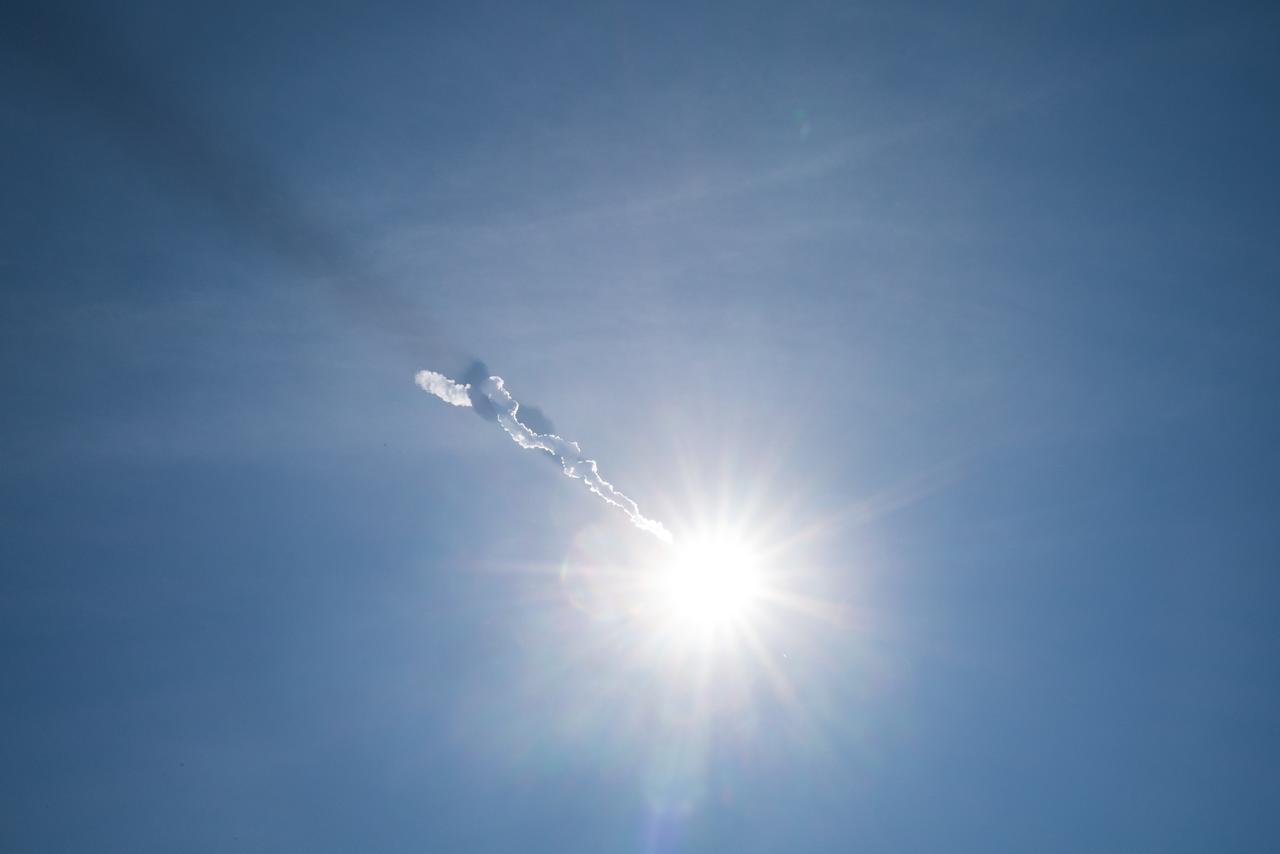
[507,409]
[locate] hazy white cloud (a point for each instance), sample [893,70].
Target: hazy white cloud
[568,453]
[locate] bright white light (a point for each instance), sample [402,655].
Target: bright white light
[712,582]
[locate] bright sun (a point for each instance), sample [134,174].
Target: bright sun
[712,582]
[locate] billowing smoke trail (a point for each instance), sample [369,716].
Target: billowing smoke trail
[568,453]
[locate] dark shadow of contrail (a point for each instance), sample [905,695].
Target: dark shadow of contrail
[62,55]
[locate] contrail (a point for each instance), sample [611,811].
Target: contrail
[568,453]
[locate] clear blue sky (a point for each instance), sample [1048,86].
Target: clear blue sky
[968,312]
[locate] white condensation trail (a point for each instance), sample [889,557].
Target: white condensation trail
[567,452]
[443,388]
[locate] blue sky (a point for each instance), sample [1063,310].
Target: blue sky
[965,317]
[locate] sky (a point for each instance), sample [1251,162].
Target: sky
[961,318]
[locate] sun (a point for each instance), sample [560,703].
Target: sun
[711,582]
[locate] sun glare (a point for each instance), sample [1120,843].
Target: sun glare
[711,582]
